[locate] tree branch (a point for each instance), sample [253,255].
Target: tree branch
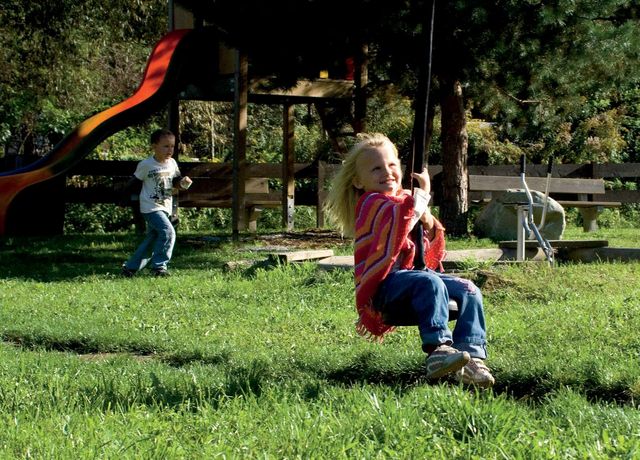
[519,101]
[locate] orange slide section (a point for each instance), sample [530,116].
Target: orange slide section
[22,197]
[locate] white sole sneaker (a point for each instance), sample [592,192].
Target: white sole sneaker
[443,362]
[475,373]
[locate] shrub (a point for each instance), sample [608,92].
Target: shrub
[97,218]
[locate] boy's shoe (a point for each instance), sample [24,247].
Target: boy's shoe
[160,272]
[475,372]
[127,272]
[444,360]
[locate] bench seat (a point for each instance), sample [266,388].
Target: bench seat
[409,318]
[481,188]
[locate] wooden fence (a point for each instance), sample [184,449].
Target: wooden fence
[95,181]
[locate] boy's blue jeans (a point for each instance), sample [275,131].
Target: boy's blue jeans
[427,292]
[157,247]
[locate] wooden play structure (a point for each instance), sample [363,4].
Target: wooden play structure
[191,62]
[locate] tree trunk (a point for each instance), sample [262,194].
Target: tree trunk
[455,206]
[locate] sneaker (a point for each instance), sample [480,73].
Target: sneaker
[444,360]
[127,272]
[475,372]
[160,272]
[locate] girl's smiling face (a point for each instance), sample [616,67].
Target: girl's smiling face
[378,170]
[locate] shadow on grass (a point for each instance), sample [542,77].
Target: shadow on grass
[74,345]
[99,348]
[65,257]
[154,387]
[68,257]
[530,388]
[250,379]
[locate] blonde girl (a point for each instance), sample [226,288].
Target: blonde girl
[367,202]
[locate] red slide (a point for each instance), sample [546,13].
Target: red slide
[25,193]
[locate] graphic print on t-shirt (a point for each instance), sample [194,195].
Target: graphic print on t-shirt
[162,185]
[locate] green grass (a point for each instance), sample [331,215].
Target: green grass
[264,362]
[617,237]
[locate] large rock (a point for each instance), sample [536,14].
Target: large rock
[498,220]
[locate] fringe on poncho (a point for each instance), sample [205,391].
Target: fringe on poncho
[383,237]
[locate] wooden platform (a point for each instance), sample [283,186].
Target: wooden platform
[566,251]
[285,257]
[569,244]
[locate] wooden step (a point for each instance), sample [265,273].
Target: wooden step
[564,244]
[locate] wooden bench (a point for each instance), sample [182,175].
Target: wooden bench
[568,192]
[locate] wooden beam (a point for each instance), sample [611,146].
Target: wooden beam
[325,88]
[321,193]
[616,170]
[239,215]
[288,163]
[556,185]
[297,256]
[361,80]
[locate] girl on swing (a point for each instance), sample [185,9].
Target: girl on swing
[367,202]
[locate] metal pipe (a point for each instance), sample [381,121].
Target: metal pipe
[546,192]
[544,244]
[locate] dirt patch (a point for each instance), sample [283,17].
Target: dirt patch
[291,241]
[316,239]
[106,356]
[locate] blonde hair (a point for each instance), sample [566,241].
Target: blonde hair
[343,196]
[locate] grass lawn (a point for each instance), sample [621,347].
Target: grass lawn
[263,361]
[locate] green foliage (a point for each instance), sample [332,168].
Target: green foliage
[485,146]
[304,218]
[537,99]
[129,144]
[391,113]
[105,218]
[550,78]
[66,60]
[97,218]
[206,130]
[518,63]
[630,101]
[626,216]
[203,220]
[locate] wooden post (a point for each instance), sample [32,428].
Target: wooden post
[589,215]
[173,124]
[322,168]
[288,171]
[361,80]
[241,97]
[590,218]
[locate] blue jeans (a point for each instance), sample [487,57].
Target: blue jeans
[157,246]
[427,293]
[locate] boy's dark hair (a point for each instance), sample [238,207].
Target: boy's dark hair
[160,133]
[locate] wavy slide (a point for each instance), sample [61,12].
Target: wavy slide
[25,199]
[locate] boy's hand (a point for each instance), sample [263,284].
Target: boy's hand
[185,182]
[424,182]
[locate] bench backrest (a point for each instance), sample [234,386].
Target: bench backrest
[256,185]
[482,183]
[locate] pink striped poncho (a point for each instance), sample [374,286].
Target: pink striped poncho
[383,238]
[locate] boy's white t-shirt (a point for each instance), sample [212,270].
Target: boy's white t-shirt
[157,184]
